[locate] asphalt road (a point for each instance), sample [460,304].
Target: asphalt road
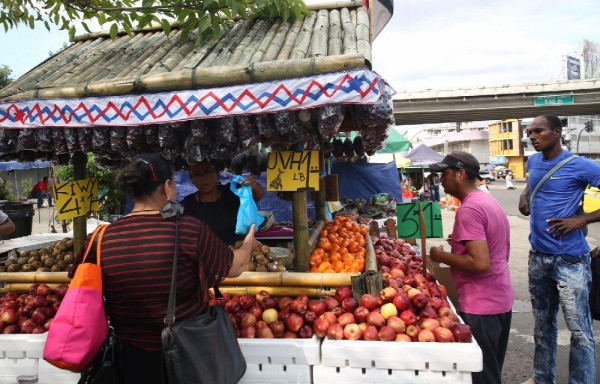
[519,358]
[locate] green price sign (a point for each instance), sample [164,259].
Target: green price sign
[408,223]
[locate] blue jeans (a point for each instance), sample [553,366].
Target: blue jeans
[564,280]
[40,198]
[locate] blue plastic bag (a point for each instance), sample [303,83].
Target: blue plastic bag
[248,213]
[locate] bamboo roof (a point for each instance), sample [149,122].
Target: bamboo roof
[324,41]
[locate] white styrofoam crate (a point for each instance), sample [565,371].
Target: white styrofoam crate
[277,374]
[396,355]
[350,375]
[49,374]
[19,356]
[282,351]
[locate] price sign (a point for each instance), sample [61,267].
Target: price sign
[293,171]
[76,198]
[408,222]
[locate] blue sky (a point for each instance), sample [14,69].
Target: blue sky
[431,44]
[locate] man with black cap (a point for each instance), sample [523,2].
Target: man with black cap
[478,260]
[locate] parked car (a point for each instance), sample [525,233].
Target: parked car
[487,175]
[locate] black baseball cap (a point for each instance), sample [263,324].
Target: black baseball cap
[458,160]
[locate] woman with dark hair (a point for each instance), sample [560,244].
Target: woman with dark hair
[137,259]
[215,204]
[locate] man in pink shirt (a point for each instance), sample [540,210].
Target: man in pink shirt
[478,259]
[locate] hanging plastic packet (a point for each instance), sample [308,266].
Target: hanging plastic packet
[248,212]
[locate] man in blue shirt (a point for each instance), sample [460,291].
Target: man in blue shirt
[559,260]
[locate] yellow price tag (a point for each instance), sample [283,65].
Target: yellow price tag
[76,198]
[293,171]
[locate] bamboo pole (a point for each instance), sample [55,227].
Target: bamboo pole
[118,61]
[130,67]
[423,237]
[227,52]
[300,218]
[320,36]
[320,200]
[35,277]
[79,222]
[291,279]
[247,42]
[214,54]
[201,78]
[279,291]
[314,237]
[335,33]
[349,32]
[20,287]
[363,44]
[267,42]
[370,259]
[198,54]
[302,43]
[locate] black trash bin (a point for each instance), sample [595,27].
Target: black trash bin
[21,215]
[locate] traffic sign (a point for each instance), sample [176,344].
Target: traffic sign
[553,100]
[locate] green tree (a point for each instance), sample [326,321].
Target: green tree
[207,16]
[111,200]
[5,78]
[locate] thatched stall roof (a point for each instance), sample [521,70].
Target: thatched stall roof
[265,81]
[325,41]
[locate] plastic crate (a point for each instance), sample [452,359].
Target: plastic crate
[464,357]
[283,352]
[277,374]
[49,374]
[19,356]
[350,375]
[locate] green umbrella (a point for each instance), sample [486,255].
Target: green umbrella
[395,142]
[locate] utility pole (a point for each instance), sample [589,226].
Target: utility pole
[588,127]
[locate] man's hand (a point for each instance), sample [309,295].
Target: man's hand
[595,252]
[524,207]
[562,227]
[436,253]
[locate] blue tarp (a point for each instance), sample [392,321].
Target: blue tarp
[367,179]
[15,165]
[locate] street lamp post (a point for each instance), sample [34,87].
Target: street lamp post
[588,127]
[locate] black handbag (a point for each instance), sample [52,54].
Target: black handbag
[106,366]
[203,349]
[595,292]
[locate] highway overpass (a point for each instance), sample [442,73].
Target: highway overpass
[564,98]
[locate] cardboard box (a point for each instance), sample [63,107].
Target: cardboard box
[442,273]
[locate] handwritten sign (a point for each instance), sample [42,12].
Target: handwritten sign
[293,171]
[76,198]
[408,222]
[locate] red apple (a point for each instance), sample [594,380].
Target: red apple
[375,319]
[342,293]
[446,322]
[409,280]
[317,306]
[337,311]
[9,304]
[232,306]
[371,333]
[396,324]
[443,291]
[402,337]
[420,301]
[268,302]
[290,335]
[362,326]
[256,311]
[462,333]
[436,303]
[310,316]
[12,296]
[387,294]
[386,334]
[264,333]
[445,312]
[408,317]
[294,322]
[429,324]
[260,296]
[352,332]
[412,292]
[247,320]
[38,330]
[345,319]
[396,273]
[443,335]
[368,301]
[42,290]
[39,317]
[33,288]
[304,299]
[425,335]
[284,302]
[47,324]
[11,329]
[330,317]
[298,307]
[331,302]
[27,326]
[305,332]
[349,304]
[335,332]
[278,328]
[9,316]
[320,327]
[247,301]
[283,314]
[248,332]
[401,302]
[360,314]
[428,312]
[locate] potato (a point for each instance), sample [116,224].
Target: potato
[261,268]
[26,268]
[13,268]
[265,249]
